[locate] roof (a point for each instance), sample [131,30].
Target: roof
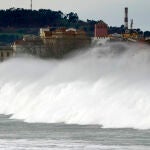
[71,29]
[81,32]
[70,32]
[19,42]
[102,22]
[63,29]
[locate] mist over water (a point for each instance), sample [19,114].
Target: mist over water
[107,85]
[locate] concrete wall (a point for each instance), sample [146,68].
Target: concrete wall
[58,47]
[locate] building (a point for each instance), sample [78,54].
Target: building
[101,30]
[43,31]
[53,43]
[5,52]
[63,40]
[29,44]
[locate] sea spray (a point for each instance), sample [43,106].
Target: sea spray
[106,85]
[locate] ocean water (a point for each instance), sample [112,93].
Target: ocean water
[18,135]
[93,99]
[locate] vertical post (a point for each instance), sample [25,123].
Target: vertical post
[31,4]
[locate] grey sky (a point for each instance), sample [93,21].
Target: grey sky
[111,11]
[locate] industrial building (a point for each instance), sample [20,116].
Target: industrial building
[129,34]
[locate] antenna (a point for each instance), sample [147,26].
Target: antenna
[31,4]
[131,26]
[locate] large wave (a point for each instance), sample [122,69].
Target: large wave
[107,85]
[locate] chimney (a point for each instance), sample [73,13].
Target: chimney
[126,18]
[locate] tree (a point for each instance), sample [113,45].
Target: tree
[73,17]
[147,34]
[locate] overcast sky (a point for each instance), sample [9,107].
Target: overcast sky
[111,11]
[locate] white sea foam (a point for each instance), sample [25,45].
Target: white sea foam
[61,144]
[107,85]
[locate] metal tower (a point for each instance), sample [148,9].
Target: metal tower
[131,25]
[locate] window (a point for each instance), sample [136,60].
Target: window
[2,55]
[7,54]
